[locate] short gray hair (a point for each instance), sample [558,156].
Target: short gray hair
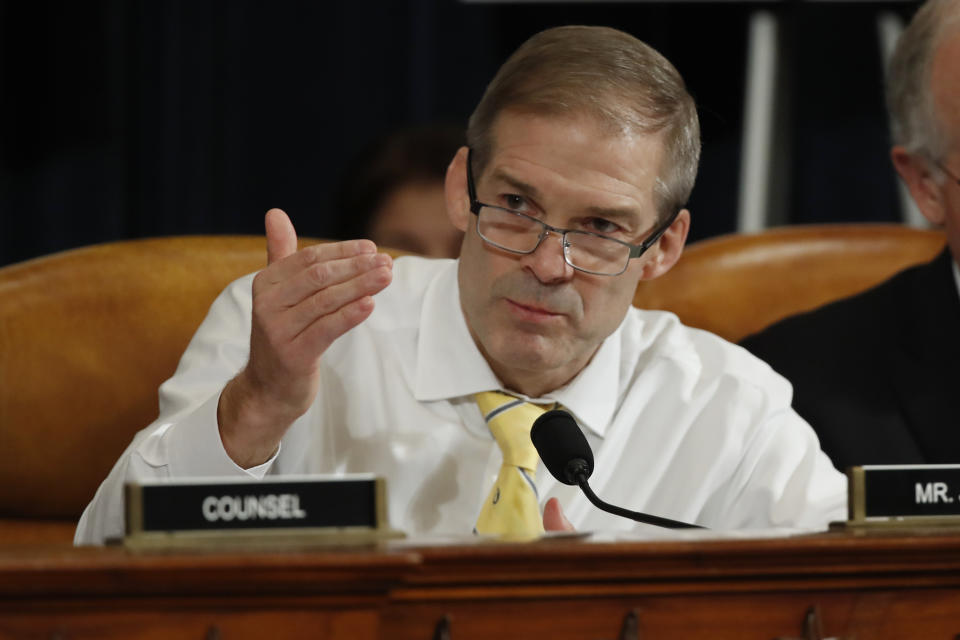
[914,120]
[607,74]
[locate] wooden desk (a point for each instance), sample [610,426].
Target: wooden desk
[905,586]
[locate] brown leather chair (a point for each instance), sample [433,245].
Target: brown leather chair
[86,337]
[737,284]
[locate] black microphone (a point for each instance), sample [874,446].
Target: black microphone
[567,454]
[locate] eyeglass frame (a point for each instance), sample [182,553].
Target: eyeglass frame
[946,171]
[636,250]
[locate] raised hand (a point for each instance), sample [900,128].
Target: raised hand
[302,302]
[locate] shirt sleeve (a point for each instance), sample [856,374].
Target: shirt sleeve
[184,441]
[785,480]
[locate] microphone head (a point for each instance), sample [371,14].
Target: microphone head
[562,446]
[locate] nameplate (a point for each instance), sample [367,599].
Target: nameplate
[911,493]
[207,508]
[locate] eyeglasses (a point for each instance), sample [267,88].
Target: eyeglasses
[583,250]
[947,171]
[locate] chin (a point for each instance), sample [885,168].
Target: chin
[529,353]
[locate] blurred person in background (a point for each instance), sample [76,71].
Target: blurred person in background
[393,193]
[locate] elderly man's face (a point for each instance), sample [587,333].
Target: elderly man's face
[945,84]
[939,201]
[536,319]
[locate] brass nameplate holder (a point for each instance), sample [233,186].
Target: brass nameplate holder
[288,511]
[916,496]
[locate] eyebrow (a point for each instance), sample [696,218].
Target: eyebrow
[616,213]
[519,185]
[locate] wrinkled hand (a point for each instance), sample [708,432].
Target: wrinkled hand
[553,518]
[302,302]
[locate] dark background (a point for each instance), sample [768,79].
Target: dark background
[123,119]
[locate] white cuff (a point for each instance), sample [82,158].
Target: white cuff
[196,450]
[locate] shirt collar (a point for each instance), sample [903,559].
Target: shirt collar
[449,364]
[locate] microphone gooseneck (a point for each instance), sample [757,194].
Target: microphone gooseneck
[646,518]
[567,455]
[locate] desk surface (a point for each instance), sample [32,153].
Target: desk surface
[904,585]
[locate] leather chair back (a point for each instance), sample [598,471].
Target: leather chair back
[738,284]
[86,337]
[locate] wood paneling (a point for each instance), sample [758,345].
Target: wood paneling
[876,586]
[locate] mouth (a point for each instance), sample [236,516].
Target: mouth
[531,313]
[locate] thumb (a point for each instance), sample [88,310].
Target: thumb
[553,518]
[281,236]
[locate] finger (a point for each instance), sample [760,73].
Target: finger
[332,299]
[553,518]
[320,335]
[291,265]
[323,275]
[281,236]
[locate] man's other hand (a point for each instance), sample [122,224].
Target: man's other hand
[302,302]
[553,518]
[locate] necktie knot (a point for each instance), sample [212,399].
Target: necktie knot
[512,507]
[510,420]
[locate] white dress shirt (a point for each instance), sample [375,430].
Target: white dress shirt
[682,423]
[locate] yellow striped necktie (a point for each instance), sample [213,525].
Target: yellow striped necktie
[512,508]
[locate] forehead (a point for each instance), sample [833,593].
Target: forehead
[577,157]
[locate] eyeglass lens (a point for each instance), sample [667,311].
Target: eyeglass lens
[519,233]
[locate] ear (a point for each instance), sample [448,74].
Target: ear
[455,190]
[925,190]
[668,248]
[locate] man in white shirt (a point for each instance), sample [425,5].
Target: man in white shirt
[582,152]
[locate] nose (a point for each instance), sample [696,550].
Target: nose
[547,262]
